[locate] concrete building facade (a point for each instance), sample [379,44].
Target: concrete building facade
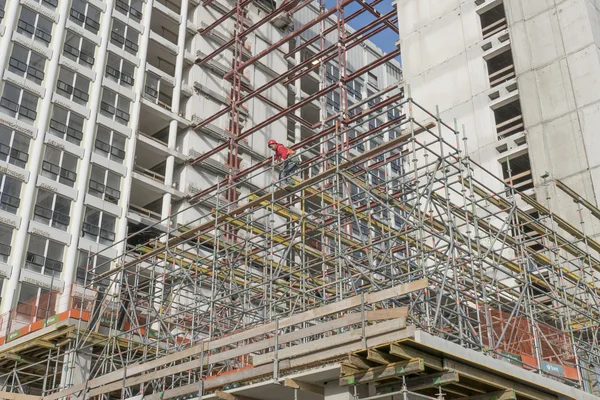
[99,103]
[522,78]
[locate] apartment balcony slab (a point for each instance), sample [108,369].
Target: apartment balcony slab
[20,126]
[57,187]
[70,105]
[120,89]
[49,232]
[45,281]
[2,30]
[128,21]
[164,43]
[24,83]
[73,27]
[141,216]
[109,164]
[5,270]
[503,93]
[124,54]
[40,9]
[191,27]
[167,12]
[14,171]
[78,68]
[155,183]
[97,248]
[32,44]
[62,144]
[9,219]
[150,147]
[112,124]
[164,76]
[104,205]
[188,58]
[162,113]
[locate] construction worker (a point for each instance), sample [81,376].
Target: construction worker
[290,163]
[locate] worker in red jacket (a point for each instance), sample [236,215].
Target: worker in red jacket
[290,163]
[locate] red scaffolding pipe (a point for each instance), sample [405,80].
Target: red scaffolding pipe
[377,14]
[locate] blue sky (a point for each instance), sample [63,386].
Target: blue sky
[385,40]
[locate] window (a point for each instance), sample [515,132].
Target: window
[73,86]
[332,73]
[2,6]
[35,303]
[14,147]
[52,4]
[66,125]
[25,62]
[131,8]
[5,242]
[89,267]
[79,49]
[355,88]
[18,103]
[99,226]
[82,13]
[44,256]
[105,184]
[110,144]
[115,106]
[10,194]
[34,25]
[59,165]
[124,36]
[119,70]
[151,88]
[372,79]
[52,209]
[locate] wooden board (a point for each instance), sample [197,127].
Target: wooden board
[408,353]
[423,382]
[499,395]
[17,396]
[496,381]
[384,372]
[332,308]
[231,396]
[303,386]
[332,341]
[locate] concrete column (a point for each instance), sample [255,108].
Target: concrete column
[85,164]
[11,14]
[140,80]
[76,369]
[170,165]
[333,391]
[35,156]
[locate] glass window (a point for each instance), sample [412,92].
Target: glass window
[18,103]
[10,194]
[59,166]
[119,70]
[14,147]
[105,184]
[84,14]
[52,209]
[115,106]
[124,37]
[34,26]
[99,226]
[5,242]
[110,144]
[131,8]
[73,86]
[44,256]
[79,49]
[89,267]
[25,62]
[66,124]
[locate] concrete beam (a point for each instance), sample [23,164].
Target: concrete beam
[499,395]
[303,386]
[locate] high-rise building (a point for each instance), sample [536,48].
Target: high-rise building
[523,78]
[99,106]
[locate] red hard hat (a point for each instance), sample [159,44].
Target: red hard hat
[272,142]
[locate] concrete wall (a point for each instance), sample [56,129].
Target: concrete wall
[557,61]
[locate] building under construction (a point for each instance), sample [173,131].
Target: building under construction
[394,267]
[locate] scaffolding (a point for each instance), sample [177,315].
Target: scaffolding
[491,268]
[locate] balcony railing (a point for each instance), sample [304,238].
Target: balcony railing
[145,212]
[501,76]
[494,28]
[150,174]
